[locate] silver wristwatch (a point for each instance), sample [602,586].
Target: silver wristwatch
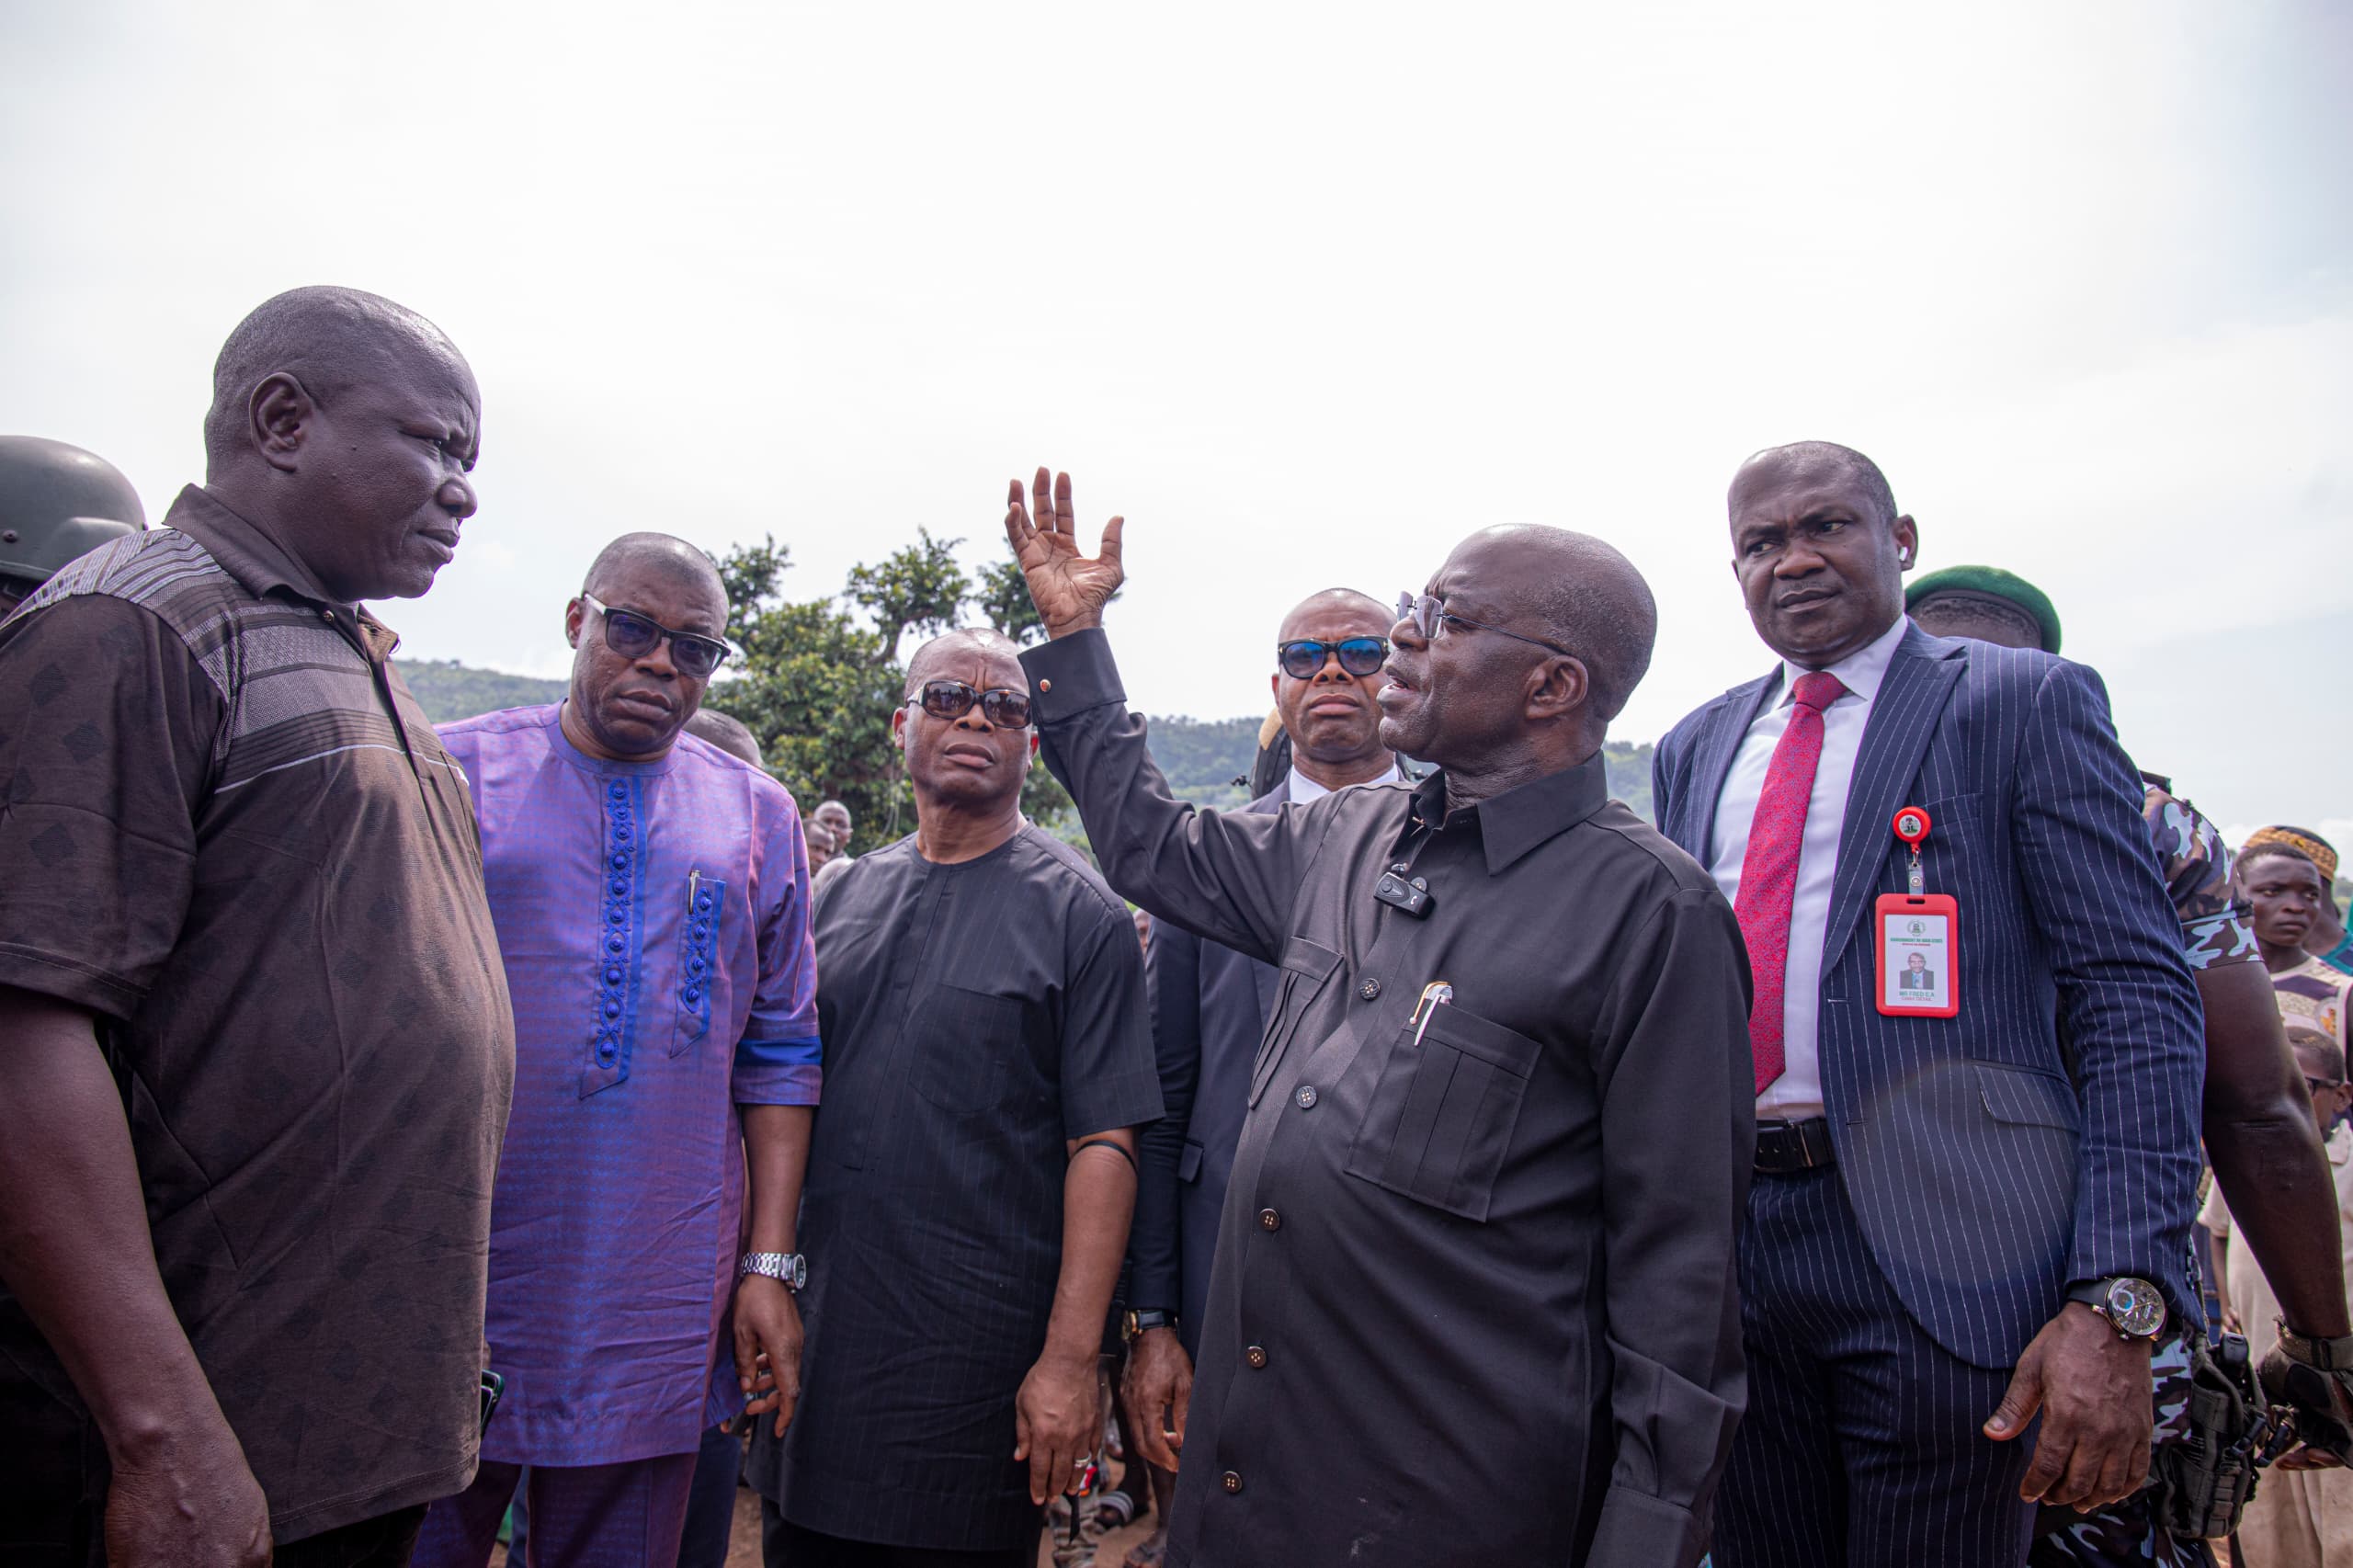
[789,1269]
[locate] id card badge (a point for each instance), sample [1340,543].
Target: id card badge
[1917,937]
[1916,933]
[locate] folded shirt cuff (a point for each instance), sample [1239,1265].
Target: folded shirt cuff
[1071,674]
[776,1084]
[1638,1530]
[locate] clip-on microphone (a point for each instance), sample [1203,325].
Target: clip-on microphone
[1393,889]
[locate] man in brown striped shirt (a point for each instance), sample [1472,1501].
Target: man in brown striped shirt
[254,1039]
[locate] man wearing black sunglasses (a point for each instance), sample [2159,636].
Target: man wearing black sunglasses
[651,892]
[1474,1300]
[1209,1006]
[988,1061]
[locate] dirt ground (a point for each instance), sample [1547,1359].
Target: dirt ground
[744,1545]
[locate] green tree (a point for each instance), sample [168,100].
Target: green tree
[820,678]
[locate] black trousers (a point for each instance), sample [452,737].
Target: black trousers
[784,1544]
[1860,1448]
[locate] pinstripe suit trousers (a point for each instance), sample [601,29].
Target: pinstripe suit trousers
[1861,1444]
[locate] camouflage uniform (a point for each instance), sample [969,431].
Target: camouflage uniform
[2216,930]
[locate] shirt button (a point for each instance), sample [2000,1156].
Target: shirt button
[1306,1096]
[1256,1355]
[1368,989]
[1269,1220]
[616,791]
[1232,1481]
[326,614]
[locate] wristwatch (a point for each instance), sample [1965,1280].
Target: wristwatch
[789,1269]
[1141,1318]
[2132,1307]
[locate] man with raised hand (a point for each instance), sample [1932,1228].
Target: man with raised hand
[255,1045]
[1472,1300]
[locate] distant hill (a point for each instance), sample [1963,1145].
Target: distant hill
[447,690]
[1202,758]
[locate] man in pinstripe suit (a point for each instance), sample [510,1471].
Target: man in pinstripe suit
[1962,1238]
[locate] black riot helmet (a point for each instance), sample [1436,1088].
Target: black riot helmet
[56,502]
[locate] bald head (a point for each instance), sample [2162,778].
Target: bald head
[1582,594]
[632,557]
[1825,458]
[726,732]
[963,647]
[330,339]
[1363,614]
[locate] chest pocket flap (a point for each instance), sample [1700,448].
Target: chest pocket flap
[1307,968]
[1444,1110]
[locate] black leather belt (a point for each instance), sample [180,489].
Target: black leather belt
[1786,1146]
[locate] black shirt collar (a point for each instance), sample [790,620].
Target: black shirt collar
[1522,817]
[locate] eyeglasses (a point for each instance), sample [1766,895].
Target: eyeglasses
[1304,659]
[1425,610]
[1004,708]
[633,636]
[2317,1084]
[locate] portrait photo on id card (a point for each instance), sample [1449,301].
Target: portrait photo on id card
[1917,969]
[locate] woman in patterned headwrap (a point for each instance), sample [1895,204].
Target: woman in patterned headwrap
[2326,940]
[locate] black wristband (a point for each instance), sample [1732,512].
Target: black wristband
[1111,1143]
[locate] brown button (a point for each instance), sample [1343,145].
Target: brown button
[1368,989]
[1045,686]
[1269,1220]
[1256,1355]
[1233,1480]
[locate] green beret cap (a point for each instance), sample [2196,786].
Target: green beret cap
[1995,582]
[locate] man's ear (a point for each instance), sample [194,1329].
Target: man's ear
[1907,541]
[899,726]
[277,417]
[574,614]
[1560,688]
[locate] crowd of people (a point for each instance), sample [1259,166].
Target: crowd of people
[405,1130]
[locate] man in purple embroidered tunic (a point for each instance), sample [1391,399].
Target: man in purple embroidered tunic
[651,897]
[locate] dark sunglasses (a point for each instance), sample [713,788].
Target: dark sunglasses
[1425,612]
[633,636]
[1304,659]
[1004,708]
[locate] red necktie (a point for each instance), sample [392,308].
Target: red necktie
[1768,870]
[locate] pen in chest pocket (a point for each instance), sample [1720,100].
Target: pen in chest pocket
[1436,995]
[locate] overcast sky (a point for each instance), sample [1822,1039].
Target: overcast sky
[1307,293]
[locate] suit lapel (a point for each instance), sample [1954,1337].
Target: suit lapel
[1719,739]
[1920,680]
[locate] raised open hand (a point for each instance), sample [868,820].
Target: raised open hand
[1069,589]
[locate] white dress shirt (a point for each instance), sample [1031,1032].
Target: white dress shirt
[1306,791]
[1797,1093]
